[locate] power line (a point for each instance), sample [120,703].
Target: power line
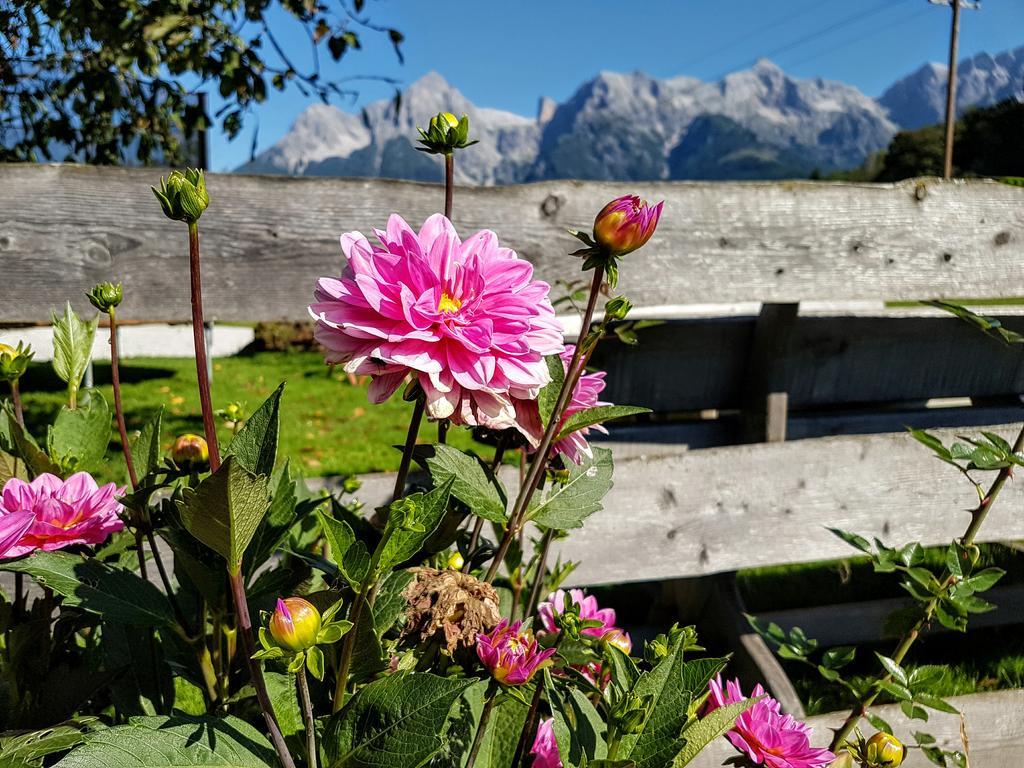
[869,33]
[873,10]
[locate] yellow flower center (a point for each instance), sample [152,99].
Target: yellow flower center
[448,304]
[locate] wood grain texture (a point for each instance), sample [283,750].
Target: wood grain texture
[267,238]
[685,365]
[693,513]
[994,725]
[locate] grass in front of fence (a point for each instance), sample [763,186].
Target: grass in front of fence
[328,427]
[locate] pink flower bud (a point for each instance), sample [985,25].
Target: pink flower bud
[190,452]
[545,748]
[295,624]
[625,224]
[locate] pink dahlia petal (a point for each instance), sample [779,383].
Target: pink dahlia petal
[545,748]
[12,527]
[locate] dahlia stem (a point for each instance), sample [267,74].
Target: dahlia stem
[307,717]
[540,458]
[530,608]
[410,444]
[978,516]
[499,454]
[449,183]
[199,342]
[481,729]
[19,414]
[528,726]
[255,670]
[115,380]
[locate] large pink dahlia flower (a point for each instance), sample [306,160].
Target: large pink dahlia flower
[65,512]
[764,734]
[466,318]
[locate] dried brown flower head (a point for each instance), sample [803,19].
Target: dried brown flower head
[451,602]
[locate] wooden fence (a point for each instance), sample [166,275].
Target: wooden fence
[732,382]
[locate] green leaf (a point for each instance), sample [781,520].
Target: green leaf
[72,345]
[836,658]
[346,551]
[931,441]
[982,581]
[170,742]
[145,446]
[25,448]
[473,482]
[878,723]
[390,604]
[894,669]
[27,750]
[393,722]
[502,735]
[568,504]
[936,703]
[597,415]
[852,539]
[422,513]
[548,396]
[77,439]
[115,593]
[274,527]
[255,445]
[579,730]
[225,509]
[284,699]
[708,728]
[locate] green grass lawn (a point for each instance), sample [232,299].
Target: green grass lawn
[328,427]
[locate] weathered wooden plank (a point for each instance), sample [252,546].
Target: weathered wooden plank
[994,725]
[678,513]
[266,239]
[698,364]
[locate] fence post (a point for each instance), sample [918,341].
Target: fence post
[765,402]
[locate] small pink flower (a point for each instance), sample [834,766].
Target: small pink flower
[466,319]
[12,528]
[65,512]
[764,734]
[545,748]
[584,396]
[511,653]
[625,224]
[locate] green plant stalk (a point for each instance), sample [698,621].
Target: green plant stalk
[19,414]
[209,427]
[363,599]
[115,381]
[540,458]
[412,434]
[978,516]
[307,717]
[481,729]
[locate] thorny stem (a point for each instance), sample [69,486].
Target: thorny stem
[978,516]
[307,717]
[540,458]
[210,429]
[478,740]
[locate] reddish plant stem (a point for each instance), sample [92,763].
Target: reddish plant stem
[478,740]
[410,443]
[19,414]
[115,380]
[449,183]
[199,341]
[978,516]
[538,580]
[209,427]
[540,458]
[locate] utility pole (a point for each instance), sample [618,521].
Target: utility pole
[954,39]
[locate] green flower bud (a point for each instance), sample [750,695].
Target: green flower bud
[444,134]
[14,361]
[183,195]
[617,308]
[455,562]
[191,452]
[295,624]
[883,750]
[106,296]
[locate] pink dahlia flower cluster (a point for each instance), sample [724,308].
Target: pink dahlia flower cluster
[466,319]
[59,513]
[764,734]
[511,653]
[555,605]
[585,395]
[545,748]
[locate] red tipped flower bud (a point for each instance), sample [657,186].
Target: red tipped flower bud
[190,452]
[295,624]
[883,750]
[625,224]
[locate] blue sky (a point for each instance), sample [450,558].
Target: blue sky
[508,54]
